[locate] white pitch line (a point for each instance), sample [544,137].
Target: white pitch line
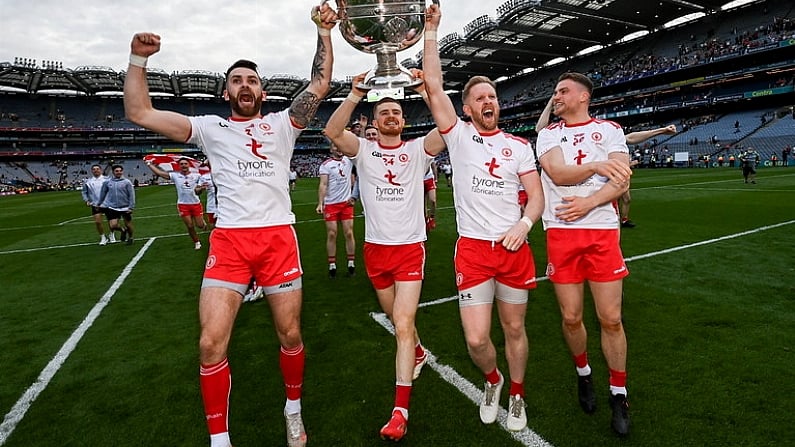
[709,241]
[473,393]
[23,404]
[525,436]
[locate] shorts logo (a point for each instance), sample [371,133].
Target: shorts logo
[210,262]
[620,270]
[465,297]
[286,285]
[291,271]
[550,269]
[459,278]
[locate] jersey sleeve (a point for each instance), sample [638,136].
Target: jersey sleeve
[545,141]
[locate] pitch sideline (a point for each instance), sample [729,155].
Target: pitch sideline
[23,404]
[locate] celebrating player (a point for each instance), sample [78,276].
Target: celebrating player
[493,261]
[390,173]
[254,237]
[189,205]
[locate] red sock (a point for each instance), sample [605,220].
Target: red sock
[402,396]
[332,259]
[216,384]
[351,257]
[291,362]
[618,378]
[581,360]
[493,377]
[517,388]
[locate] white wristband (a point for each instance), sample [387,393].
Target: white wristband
[138,61]
[353,98]
[323,31]
[430,35]
[527,222]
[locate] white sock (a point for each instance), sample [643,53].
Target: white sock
[220,440]
[614,390]
[584,371]
[292,406]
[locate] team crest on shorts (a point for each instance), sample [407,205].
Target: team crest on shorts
[459,278]
[210,262]
[550,269]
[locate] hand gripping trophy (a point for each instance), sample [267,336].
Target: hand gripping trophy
[383,27]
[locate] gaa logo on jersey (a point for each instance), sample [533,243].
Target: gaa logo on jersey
[264,127]
[596,137]
[506,152]
[403,158]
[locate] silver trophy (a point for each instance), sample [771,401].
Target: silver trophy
[383,27]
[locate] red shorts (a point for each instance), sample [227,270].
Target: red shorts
[269,255]
[211,218]
[580,254]
[522,197]
[190,209]
[477,261]
[429,184]
[386,264]
[335,212]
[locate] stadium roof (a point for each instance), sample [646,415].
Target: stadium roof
[524,34]
[531,33]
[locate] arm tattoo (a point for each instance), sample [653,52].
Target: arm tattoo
[305,105]
[303,108]
[320,60]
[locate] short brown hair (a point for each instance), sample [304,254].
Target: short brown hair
[385,100]
[473,81]
[579,78]
[242,63]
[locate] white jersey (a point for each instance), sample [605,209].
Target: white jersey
[92,187]
[251,163]
[339,179]
[486,183]
[207,180]
[186,194]
[390,182]
[591,141]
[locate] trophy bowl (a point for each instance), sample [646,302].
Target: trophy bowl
[383,27]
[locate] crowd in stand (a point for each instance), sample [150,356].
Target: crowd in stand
[307,158]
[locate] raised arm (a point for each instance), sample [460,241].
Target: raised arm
[440,104]
[345,140]
[543,120]
[137,103]
[643,135]
[305,105]
[156,169]
[433,143]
